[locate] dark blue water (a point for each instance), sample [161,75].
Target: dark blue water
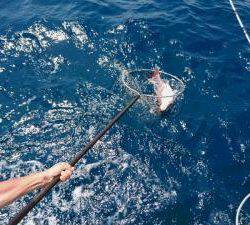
[61,64]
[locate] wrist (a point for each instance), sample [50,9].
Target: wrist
[44,178]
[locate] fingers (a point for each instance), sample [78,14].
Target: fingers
[65,175]
[63,166]
[66,171]
[63,169]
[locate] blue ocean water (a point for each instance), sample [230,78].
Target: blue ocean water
[60,83]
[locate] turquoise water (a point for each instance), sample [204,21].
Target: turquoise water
[60,83]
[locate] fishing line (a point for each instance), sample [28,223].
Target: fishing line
[239,209]
[248,39]
[240,21]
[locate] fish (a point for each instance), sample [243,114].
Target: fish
[164,93]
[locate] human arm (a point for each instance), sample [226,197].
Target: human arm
[13,189]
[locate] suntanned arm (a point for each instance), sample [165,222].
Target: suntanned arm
[12,189]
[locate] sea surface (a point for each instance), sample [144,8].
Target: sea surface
[60,83]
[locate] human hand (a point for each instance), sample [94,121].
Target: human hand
[63,169]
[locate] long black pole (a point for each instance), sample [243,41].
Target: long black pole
[25,210]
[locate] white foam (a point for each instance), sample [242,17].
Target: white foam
[2,69]
[120,27]
[183,125]
[23,119]
[79,192]
[57,61]
[103,60]
[46,36]
[220,217]
[27,102]
[243,147]
[30,129]
[78,32]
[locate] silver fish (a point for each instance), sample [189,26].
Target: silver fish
[165,94]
